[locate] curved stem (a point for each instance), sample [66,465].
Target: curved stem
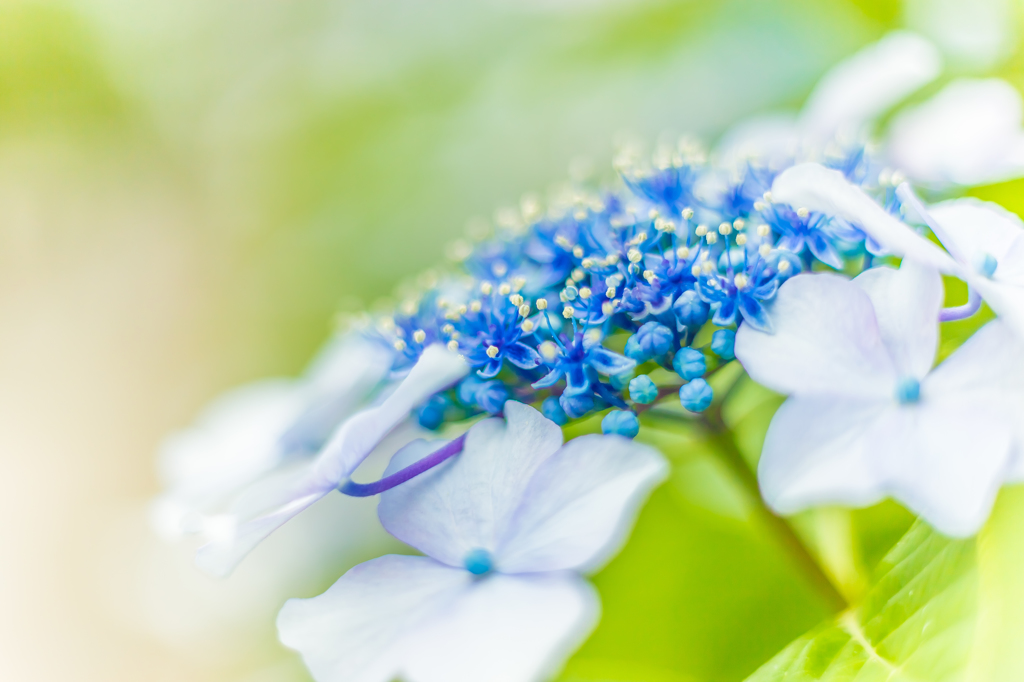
[961,312]
[445,452]
[721,437]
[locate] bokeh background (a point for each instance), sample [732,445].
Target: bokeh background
[191,192]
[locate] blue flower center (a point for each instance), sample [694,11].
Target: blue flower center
[985,264]
[908,390]
[478,561]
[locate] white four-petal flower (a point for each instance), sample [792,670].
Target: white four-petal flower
[261,509]
[988,241]
[867,416]
[254,430]
[969,133]
[507,526]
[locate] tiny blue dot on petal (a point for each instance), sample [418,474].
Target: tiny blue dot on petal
[478,561]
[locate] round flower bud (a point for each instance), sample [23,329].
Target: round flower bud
[553,411]
[620,423]
[690,311]
[642,390]
[696,396]
[722,342]
[430,415]
[489,396]
[576,406]
[650,341]
[620,381]
[689,363]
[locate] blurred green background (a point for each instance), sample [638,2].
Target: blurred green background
[191,191]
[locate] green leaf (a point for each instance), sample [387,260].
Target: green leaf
[916,624]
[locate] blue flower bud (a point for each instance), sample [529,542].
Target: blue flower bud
[620,381]
[553,411]
[642,390]
[689,363]
[430,415]
[652,340]
[722,342]
[690,310]
[576,406]
[489,396]
[696,396]
[492,397]
[634,351]
[620,423]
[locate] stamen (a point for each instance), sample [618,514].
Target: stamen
[478,561]
[908,391]
[985,264]
[353,489]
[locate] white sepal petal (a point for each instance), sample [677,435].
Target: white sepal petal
[505,628]
[812,186]
[261,511]
[415,619]
[351,442]
[816,452]
[907,303]
[580,506]
[826,341]
[864,86]
[945,459]
[468,502]
[969,133]
[359,629]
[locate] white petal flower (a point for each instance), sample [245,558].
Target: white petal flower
[969,133]
[867,84]
[881,422]
[846,100]
[264,507]
[989,242]
[976,34]
[506,526]
[817,188]
[254,430]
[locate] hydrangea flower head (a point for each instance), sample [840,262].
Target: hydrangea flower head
[507,528]
[868,417]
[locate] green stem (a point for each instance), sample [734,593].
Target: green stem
[720,435]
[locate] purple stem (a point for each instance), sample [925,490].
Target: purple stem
[353,489]
[961,312]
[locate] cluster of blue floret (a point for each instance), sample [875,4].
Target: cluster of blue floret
[577,306]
